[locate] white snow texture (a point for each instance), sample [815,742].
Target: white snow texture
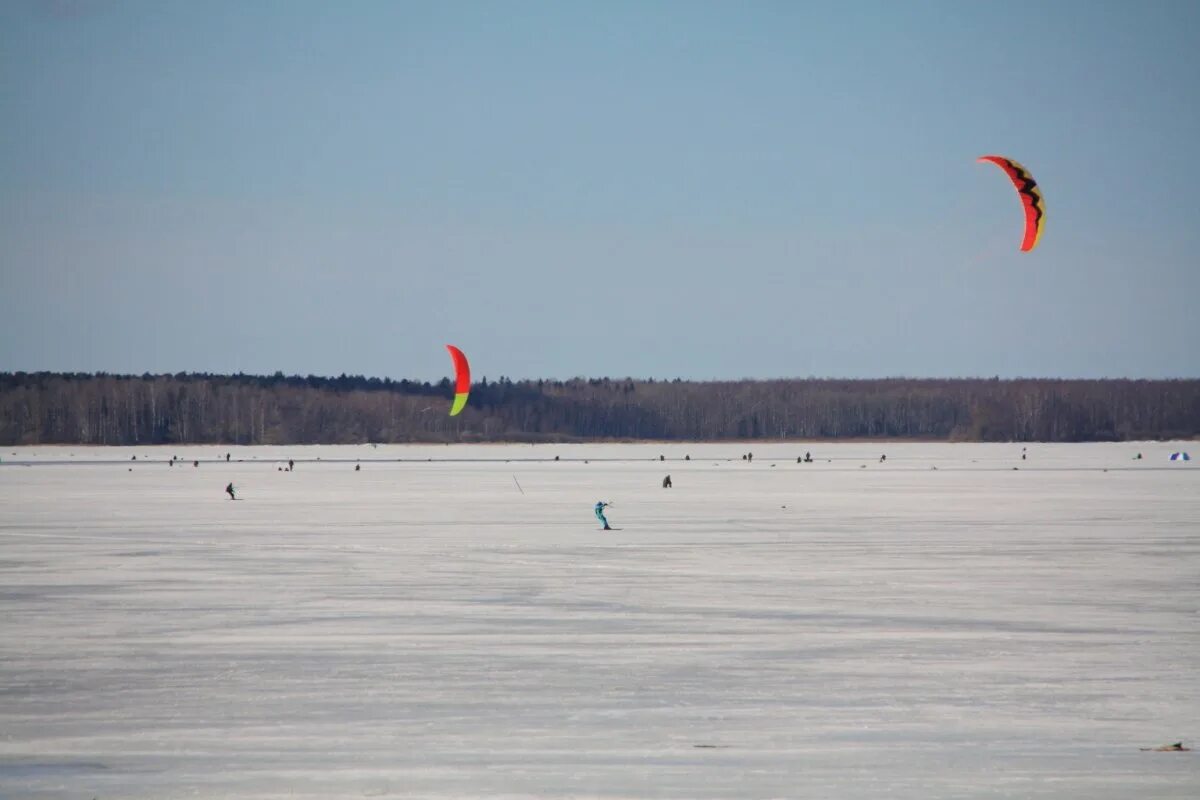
[450,621]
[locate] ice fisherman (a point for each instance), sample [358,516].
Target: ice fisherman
[600,514]
[229,491]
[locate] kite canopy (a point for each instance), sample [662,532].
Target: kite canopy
[1180,457]
[1031,198]
[462,379]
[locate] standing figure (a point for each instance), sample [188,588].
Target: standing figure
[667,482]
[600,514]
[229,491]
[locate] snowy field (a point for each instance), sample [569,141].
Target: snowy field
[450,622]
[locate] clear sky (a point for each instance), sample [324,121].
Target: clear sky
[654,189]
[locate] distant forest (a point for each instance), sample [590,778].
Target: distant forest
[76,408]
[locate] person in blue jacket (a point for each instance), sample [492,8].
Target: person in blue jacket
[600,514]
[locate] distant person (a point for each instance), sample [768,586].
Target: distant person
[600,506]
[808,458]
[227,458]
[667,482]
[357,467]
[883,458]
[749,456]
[229,491]
[195,463]
[291,465]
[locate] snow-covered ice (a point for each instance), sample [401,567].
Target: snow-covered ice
[455,625]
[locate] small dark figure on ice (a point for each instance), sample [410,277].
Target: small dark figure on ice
[229,491]
[667,482]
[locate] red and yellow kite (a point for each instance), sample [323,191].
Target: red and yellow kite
[1031,198]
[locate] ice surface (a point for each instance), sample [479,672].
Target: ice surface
[848,628]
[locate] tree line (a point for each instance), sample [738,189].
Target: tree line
[196,408]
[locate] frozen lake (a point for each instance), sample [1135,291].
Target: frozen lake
[936,625]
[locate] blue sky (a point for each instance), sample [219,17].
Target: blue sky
[692,189]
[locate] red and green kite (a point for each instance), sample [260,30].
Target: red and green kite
[462,379]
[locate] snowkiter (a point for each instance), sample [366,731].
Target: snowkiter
[600,514]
